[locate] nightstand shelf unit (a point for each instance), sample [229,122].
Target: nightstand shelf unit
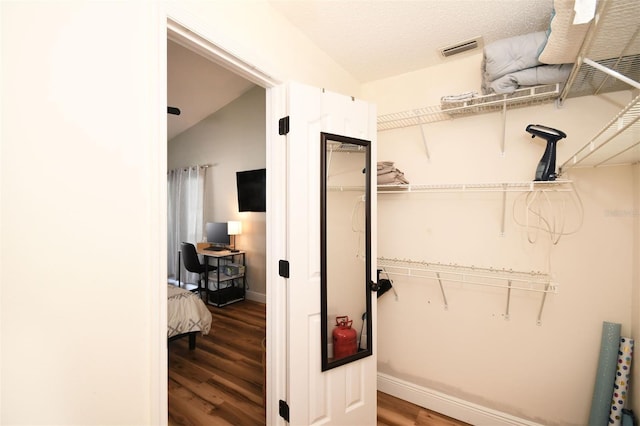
[226,283]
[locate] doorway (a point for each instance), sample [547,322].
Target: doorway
[186,39]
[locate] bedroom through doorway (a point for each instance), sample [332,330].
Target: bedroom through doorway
[221,126]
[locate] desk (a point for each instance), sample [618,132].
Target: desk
[229,281]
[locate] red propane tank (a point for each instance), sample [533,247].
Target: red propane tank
[344,338]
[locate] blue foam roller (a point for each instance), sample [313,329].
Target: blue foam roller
[606,374]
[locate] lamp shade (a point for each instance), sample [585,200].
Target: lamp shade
[234,227]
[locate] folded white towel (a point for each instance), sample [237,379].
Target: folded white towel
[459,98]
[384,164]
[395,177]
[386,170]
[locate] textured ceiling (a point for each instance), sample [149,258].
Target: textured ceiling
[371,39]
[374,39]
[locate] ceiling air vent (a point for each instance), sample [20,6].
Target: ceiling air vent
[464,46]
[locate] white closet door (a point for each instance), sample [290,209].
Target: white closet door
[345,395]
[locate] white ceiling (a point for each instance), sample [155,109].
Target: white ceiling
[380,38]
[371,39]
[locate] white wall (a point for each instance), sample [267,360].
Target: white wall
[258,34]
[83,196]
[543,373]
[230,140]
[82,214]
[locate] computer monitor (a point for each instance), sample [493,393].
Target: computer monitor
[217,234]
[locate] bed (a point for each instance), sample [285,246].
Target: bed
[187,315]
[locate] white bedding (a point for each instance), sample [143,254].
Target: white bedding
[544,74]
[186,312]
[512,54]
[512,63]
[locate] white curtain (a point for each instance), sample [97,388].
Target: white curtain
[185,202]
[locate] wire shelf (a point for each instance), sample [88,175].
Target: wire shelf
[480,104]
[613,41]
[617,143]
[507,279]
[527,280]
[556,185]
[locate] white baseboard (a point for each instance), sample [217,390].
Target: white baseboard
[256,297]
[449,406]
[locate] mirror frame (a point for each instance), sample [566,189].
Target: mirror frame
[366,285]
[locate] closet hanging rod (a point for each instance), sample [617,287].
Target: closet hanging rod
[612,73]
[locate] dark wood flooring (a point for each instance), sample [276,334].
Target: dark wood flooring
[221,382]
[395,412]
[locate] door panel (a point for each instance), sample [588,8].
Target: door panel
[346,394]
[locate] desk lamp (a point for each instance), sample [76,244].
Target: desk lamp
[234,228]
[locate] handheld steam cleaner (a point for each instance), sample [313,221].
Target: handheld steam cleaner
[546,169]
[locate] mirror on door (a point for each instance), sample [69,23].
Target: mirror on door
[346,249]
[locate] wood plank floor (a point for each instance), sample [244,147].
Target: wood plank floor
[395,412]
[221,382]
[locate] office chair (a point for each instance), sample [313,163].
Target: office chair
[192,264]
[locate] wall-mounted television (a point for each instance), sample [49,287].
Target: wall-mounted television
[252,190]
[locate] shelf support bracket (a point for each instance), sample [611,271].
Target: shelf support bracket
[544,298]
[504,209]
[506,314]
[424,138]
[444,296]
[504,126]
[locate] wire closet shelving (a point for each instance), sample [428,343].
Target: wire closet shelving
[501,187]
[609,60]
[476,105]
[473,106]
[508,279]
[617,143]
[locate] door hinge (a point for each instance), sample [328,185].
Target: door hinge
[284,410]
[283,268]
[283,125]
